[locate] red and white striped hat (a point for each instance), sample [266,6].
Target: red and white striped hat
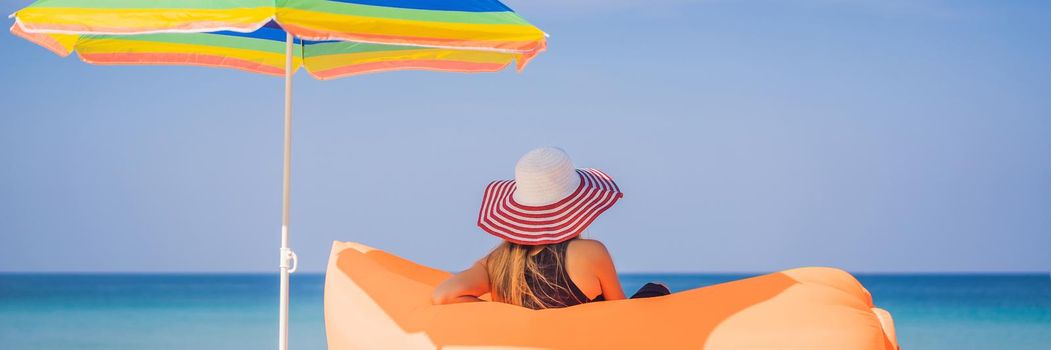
[548,202]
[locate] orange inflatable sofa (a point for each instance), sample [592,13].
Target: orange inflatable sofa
[376,300]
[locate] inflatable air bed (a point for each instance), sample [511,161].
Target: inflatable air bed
[376,300]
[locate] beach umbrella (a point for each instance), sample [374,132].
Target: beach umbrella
[329,38]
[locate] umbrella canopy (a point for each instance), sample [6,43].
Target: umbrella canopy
[263,51]
[335,38]
[331,38]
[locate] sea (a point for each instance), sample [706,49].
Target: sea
[239,311]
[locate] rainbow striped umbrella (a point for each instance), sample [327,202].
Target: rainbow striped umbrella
[330,38]
[333,38]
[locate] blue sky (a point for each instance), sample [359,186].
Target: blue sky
[746,135]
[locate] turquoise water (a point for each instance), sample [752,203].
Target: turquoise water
[132,311]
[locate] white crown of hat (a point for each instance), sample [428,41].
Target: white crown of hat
[544,176]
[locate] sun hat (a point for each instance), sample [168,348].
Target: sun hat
[548,202]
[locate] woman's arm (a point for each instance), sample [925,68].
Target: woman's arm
[602,268]
[463,287]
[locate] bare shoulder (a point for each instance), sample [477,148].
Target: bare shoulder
[589,248]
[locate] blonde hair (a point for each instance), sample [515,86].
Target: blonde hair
[507,266]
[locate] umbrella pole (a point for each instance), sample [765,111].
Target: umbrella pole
[288,257]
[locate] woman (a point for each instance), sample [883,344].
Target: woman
[542,262]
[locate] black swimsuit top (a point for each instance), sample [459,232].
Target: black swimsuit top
[563,292]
